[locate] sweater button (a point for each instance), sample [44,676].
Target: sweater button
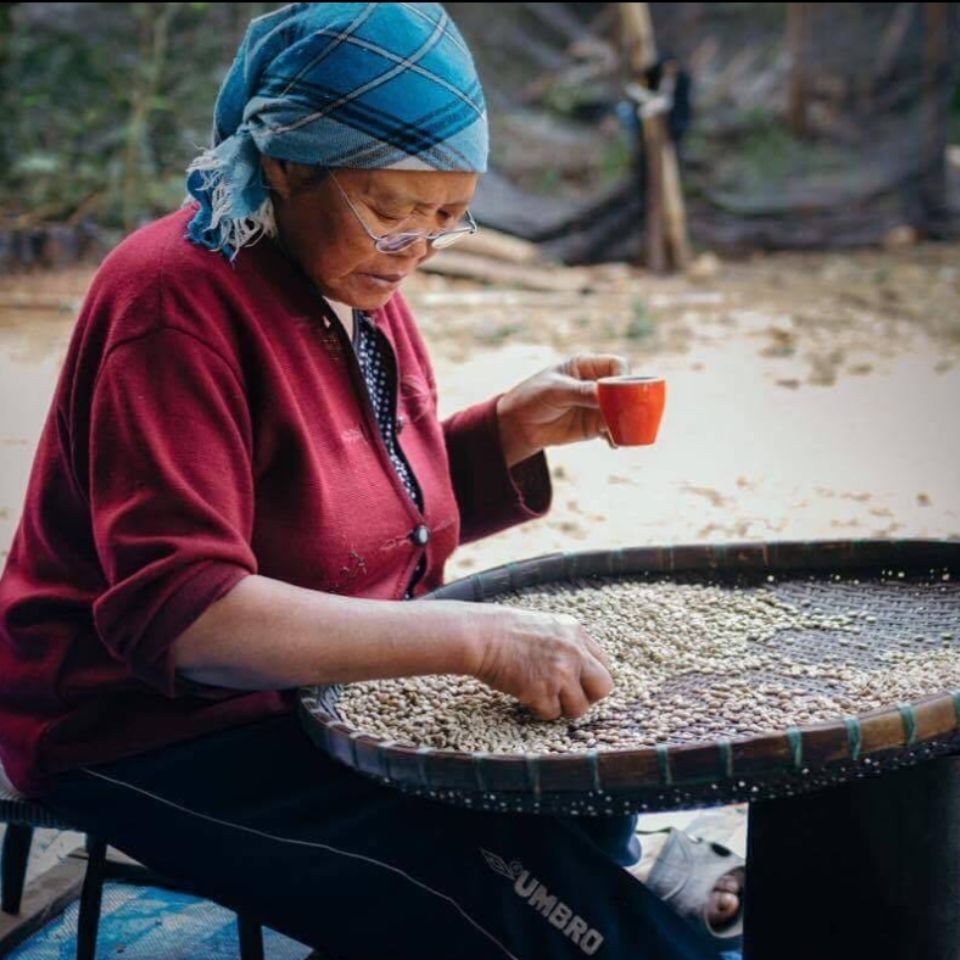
[420,535]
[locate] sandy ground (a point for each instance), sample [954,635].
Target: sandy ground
[810,396]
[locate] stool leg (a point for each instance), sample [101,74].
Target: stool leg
[251,938]
[16,853]
[90,899]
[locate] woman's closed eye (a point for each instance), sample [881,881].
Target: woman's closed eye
[390,218]
[408,220]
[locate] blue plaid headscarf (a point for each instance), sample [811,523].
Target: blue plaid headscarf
[362,85]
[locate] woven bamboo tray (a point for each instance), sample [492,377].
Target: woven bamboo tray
[883,575]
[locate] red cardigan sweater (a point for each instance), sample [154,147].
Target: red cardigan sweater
[210,423]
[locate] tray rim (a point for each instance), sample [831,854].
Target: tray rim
[797,751]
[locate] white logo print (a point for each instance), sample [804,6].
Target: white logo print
[558,914]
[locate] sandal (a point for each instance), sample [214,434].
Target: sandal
[683,871]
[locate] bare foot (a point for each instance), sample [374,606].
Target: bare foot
[724,902]
[683,862]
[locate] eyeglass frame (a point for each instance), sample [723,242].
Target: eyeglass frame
[448,236]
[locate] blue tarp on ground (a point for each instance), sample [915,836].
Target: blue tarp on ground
[144,923]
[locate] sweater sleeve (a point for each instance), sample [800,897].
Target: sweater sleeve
[491,496]
[171,494]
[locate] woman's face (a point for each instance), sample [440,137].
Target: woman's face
[320,231]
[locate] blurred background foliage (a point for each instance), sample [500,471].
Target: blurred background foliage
[106,103]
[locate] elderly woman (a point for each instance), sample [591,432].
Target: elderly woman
[243,474]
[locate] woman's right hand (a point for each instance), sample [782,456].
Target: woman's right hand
[547,661]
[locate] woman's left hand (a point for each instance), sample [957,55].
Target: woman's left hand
[556,406]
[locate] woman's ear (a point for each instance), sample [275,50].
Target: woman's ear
[277,173]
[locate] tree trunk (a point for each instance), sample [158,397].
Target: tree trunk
[154,34]
[6,31]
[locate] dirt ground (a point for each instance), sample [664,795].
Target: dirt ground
[810,396]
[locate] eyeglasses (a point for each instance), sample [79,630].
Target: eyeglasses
[398,242]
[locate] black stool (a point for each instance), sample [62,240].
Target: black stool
[22,816]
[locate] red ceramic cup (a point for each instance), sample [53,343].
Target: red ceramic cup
[632,408]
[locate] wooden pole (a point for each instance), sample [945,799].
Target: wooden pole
[654,136]
[798,25]
[936,92]
[674,208]
[892,40]
[638,36]
[665,215]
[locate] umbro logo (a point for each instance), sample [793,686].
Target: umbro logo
[557,913]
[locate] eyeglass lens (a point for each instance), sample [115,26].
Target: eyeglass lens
[401,241]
